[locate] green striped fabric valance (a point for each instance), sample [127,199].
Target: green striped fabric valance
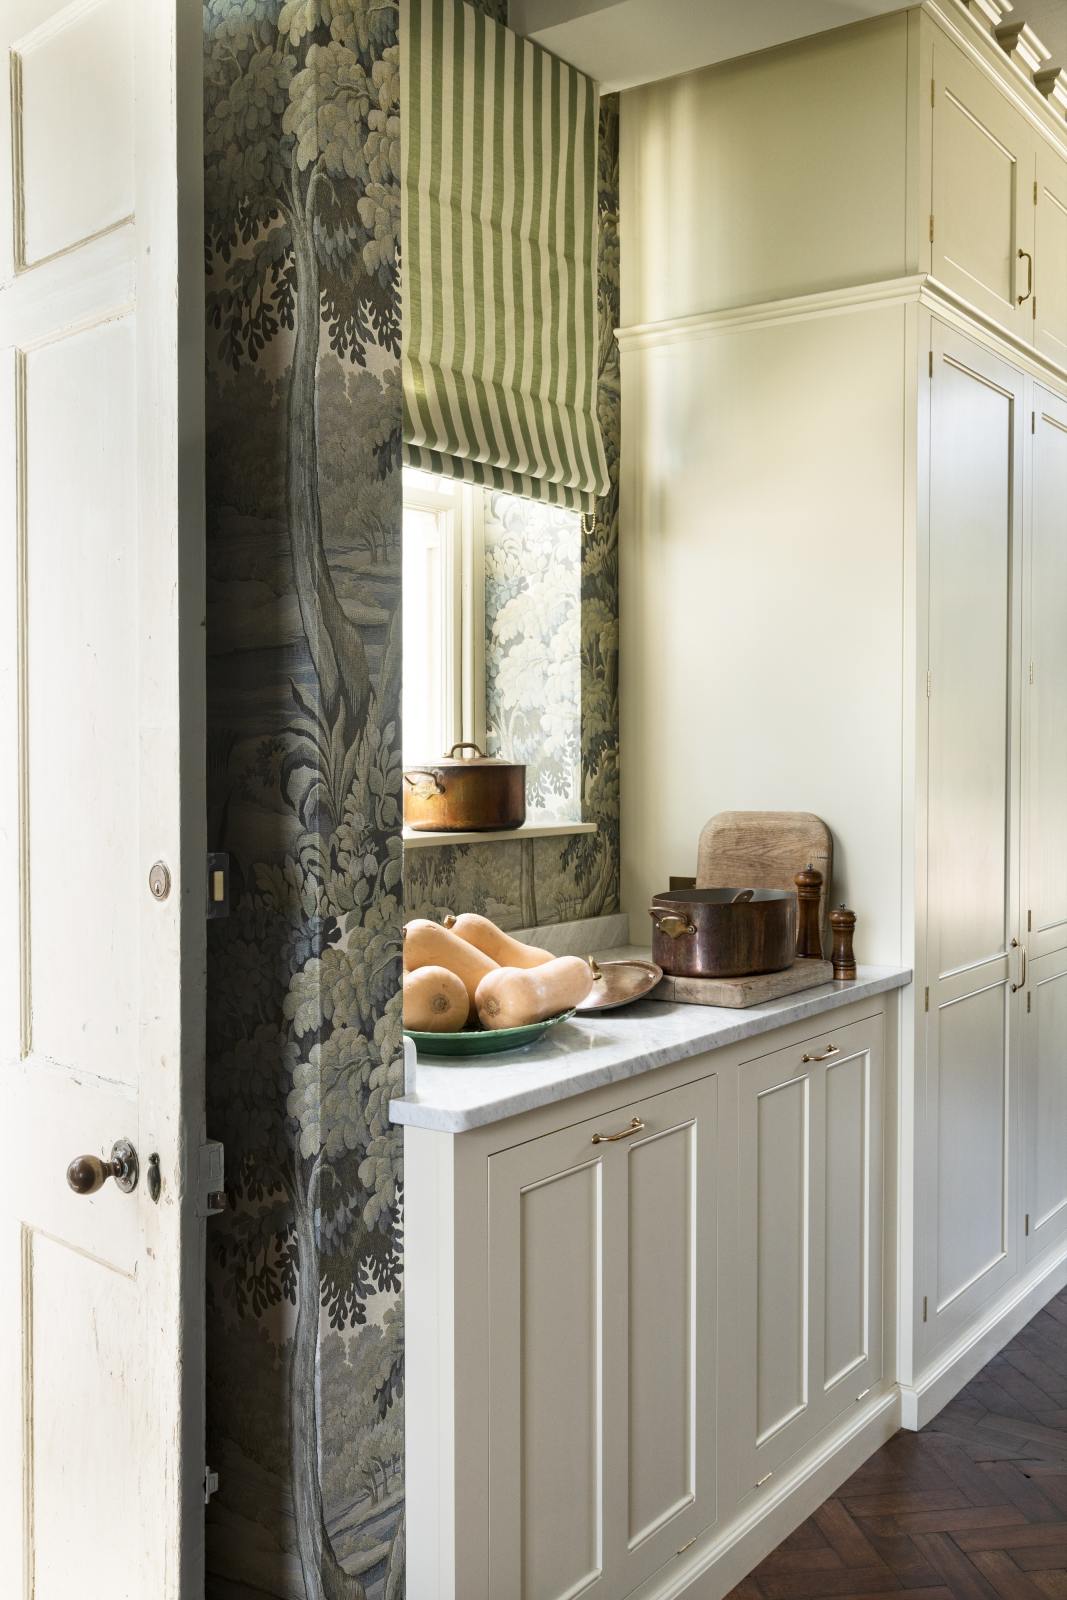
[498,242]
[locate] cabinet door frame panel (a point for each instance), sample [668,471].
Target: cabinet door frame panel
[953,982]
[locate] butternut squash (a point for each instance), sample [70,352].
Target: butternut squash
[494,942]
[426,944]
[435,1001]
[512,997]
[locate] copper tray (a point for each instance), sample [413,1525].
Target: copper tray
[620,983]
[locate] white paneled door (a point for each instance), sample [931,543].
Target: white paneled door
[101,778]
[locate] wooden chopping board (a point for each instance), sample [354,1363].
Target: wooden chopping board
[766,850]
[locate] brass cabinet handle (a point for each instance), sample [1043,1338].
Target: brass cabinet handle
[831,1050]
[1022,977]
[670,923]
[610,1138]
[87,1174]
[1029,276]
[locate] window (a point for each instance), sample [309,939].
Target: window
[444,616]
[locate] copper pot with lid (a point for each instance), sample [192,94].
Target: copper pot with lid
[723,933]
[465,794]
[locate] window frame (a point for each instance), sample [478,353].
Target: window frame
[459,509]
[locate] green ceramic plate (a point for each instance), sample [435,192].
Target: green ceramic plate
[481,1041]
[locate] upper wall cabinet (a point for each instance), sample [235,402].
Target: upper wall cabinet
[921,151]
[1050,255]
[982,212]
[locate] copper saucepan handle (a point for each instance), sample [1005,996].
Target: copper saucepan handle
[423,772]
[467,744]
[670,923]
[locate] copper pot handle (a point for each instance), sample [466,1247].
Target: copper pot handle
[670,923]
[423,772]
[467,744]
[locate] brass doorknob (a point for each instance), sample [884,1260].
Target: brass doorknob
[87,1174]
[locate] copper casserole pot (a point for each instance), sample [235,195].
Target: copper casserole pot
[465,794]
[723,933]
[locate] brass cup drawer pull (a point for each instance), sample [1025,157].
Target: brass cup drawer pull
[610,1138]
[831,1050]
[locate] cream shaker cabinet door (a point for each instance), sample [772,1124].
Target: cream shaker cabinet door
[1050,255]
[1046,693]
[809,1246]
[1045,1047]
[982,212]
[1044,1022]
[973,955]
[602,1260]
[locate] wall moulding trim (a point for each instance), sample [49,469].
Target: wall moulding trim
[798,308]
[915,289]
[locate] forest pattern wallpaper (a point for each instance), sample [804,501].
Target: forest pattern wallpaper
[305,1402]
[305,1332]
[534,882]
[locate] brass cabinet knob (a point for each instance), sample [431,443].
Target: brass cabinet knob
[87,1174]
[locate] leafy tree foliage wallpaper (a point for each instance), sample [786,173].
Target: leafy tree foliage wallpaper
[302,136]
[305,1335]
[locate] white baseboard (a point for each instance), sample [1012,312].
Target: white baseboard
[967,1355]
[718,1560]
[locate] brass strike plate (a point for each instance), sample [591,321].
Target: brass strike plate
[218,884]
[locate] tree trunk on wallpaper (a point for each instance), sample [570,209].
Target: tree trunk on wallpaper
[336,648]
[324,1577]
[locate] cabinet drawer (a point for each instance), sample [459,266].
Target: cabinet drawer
[602,1262]
[810,1242]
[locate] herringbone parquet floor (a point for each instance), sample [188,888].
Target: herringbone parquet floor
[974,1506]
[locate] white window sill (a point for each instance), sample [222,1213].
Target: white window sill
[421,839]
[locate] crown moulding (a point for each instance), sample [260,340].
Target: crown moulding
[1053,85]
[1022,44]
[990,13]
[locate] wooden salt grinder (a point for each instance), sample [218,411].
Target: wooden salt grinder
[809,893]
[843,922]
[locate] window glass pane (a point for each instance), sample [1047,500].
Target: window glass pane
[533,625]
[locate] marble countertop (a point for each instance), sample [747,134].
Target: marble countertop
[453,1095]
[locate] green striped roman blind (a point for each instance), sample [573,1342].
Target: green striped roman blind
[498,240]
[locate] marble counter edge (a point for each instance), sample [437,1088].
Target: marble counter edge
[410,1110]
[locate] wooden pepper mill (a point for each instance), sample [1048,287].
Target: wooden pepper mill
[843,922]
[809,893]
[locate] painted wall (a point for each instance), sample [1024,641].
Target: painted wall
[305,1408]
[524,884]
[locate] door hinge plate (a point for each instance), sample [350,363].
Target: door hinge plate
[211,1484]
[926,1307]
[1026,1224]
[218,884]
[212,1188]
[926,1000]
[931,227]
